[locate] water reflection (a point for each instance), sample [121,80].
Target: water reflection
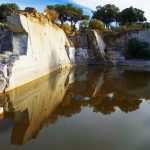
[65,92]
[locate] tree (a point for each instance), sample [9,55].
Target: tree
[69,13]
[7,9]
[131,15]
[96,24]
[106,14]
[75,14]
[62,10]
[51,14]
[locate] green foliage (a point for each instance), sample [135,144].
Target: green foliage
[107,13]
[69,13]
[96,24]
[131,15]
[75,15]
[122,28]
[84,24]
[135,26]
[7,9]
[67,28]
[139,49]
[146,25]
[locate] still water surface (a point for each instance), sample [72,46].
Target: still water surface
[88,108]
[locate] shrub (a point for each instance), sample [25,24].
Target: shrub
[67,28]
[138,49]
[121,28]
[96,24]
[84,24]
[135,26]
[145,25]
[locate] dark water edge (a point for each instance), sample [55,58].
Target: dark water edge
[88,108]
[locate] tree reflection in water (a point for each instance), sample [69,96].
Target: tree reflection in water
[64,94]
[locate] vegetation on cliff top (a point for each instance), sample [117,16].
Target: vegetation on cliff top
[106,14]
[67,28]
[96,24]
[69,13]
[110,13]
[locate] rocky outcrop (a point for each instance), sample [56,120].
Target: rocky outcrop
[89,48]
[34,47]
[38,48]
[117,46]
[119,41]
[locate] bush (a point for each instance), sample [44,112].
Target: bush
[67,28]
[96,24]
[138,49]
[135,26]
[121,28]
[84,24]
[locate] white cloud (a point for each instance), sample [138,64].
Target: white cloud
[141,4]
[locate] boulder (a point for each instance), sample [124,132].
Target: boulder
[5,41]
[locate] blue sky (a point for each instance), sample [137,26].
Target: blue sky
[88,5]
[40,4]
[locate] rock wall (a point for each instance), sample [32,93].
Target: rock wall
[40,47]
[98,43]
[141,35]
[89,48]
[5,41]
[35,46]
[120,40]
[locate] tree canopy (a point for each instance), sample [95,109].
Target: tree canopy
[106,14]
[61,9]
[69,13]
[7,9]
[131,15]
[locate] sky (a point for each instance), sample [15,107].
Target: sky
[87,5]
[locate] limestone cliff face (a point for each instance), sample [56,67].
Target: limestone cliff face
[37,47]
[89,48]
[41,48]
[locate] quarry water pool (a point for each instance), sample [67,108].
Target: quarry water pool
[88,108]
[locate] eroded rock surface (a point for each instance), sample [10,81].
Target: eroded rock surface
[36,48]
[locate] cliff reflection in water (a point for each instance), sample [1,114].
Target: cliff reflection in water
[63,93]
